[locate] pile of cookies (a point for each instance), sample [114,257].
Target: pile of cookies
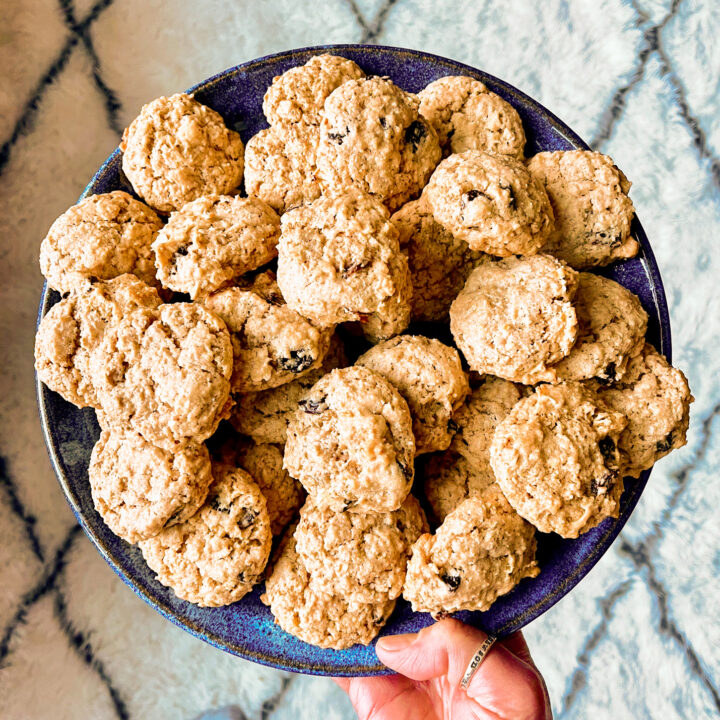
[376,306]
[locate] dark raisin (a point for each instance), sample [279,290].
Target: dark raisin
[298,361]
[415,132]
[512,203]
[607,449]
[452,581]
[407,470]
[338,137]
[452,426]
[217,504]
[471,195]
[313,407]
[353,269]
[603,484]
[247,518]
[93,279]
[383,122]
[610,371]
[665,445]
[182,250]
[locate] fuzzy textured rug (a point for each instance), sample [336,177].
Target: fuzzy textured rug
[639,637]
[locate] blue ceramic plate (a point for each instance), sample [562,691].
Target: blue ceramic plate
[247,628]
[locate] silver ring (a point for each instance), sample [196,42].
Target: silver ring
[476,661]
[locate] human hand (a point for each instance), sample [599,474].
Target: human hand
[431,663]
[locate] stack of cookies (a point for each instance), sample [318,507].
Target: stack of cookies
[376,306]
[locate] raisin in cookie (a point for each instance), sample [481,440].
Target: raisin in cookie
[74,328]
[655,398]
[213,240]
[139,489]
[339,258]
[265,415]
[490,201]
[373,136]
[430,377]
[593,213]
[351,444]
[307,609]
[612,326]
[448,479]
[359,555]
[514,318]
[215,557]
[482,550]
[468,116]
[556,459]
[439,262]
[298,95]
[284,494]
[165,373]
[178,150]
[281,166]
[272,344]
[101,237]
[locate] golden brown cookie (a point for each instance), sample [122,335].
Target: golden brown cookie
[514,318]
[213,240]
[490,201]
[556,459]
[101,237]
[178,150]
[430,377]
[468,116]
[592,210]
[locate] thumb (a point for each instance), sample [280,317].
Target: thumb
[445,650]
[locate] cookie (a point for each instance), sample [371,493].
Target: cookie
[213,240]
[265,415]
[215,557]
[359,556]
[490,201]
[476,420]
[339,258]
[74,328]
[165,373]
[592,210]
[284,495]
[298,95]
[281,166]
[612,326]
[101,237]
[655,399]
[272,344]
[448,479]
[307,609]
[439,263]
[178,150]
[139,489]
[393,313]
[514,318]
[430,377]
[482,550]
[556,459]
[468,116]
[373,136]
[351,444]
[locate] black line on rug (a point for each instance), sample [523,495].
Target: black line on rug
[28,519]
[270,705]
[25,122]
[110,99]
[359,17]
[42,588]
[80,642]
[651,40]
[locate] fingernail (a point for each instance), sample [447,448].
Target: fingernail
[395,643]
